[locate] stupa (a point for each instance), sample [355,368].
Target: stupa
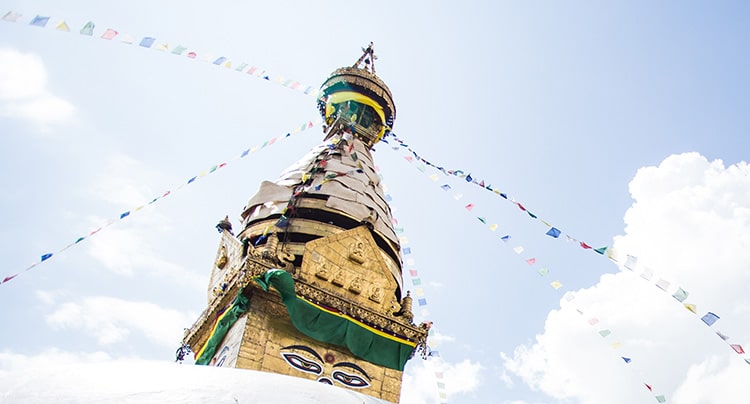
[311,285]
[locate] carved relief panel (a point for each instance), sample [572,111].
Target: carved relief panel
[350,265]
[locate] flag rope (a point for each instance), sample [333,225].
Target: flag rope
[46,256]
[679,294]
[148,42]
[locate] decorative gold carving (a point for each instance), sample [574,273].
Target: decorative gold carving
[376,294]
[222,262]
[353,261]
[357,252]
[393,325]
[405,311]
[356,286]
[323,273]
[339,279]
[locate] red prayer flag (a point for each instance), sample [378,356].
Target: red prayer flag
[7,278]
[648,387]
[520,206]
[738,348]
[585,246]
[531,261]
[469,206]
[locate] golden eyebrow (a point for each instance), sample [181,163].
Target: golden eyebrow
[353,366]
[306,349]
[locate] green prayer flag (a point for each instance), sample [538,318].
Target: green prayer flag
[88,29]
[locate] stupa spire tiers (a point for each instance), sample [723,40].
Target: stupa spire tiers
[322,236]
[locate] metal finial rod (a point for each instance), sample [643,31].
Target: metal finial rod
[369,63]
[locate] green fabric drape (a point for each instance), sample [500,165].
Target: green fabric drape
[226,321]
[339,330]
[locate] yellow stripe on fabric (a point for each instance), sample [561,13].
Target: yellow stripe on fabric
[363,325]
[343,96]
[213,331]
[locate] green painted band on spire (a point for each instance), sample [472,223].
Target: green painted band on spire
[335,328]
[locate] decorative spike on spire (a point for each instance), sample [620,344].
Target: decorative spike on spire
[368,58]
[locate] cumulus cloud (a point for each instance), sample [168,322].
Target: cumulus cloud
[24,93]
[420,382]
[126,249]
[112,320]
[688,228]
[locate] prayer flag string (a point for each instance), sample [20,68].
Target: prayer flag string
[46,256]
[416,280]
[630,262]
[532,262]
[113,35]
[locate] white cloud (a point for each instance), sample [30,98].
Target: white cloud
[24,93]
[11,362]
[420,382]
[112,320]
[689,225]
[717,379]
[128,248]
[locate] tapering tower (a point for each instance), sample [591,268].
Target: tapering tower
[312,285]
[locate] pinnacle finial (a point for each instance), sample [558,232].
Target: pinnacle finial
[368,58]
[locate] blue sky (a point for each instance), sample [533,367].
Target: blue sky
[586,114]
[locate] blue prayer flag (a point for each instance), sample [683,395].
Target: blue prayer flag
[422,302]
[710,318]
[627,360]
[125,214]
[407,250]
[553,232]
[39,21]
[220,60]
[46,256]
[146,42]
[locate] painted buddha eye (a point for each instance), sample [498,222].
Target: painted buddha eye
[349,379]
[300,363]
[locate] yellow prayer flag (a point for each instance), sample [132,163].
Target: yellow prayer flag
[493,227]
[434,177]
[403,240]
[62,26]
[419,292]
[254,149]
[228,64]
[691,307]
[556,285]
[612,253]
[162,47]
[616,345]
[305,177]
